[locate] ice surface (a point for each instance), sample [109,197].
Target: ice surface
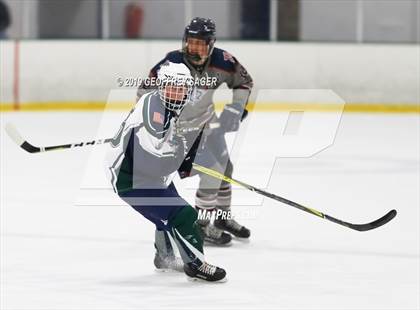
[64,249]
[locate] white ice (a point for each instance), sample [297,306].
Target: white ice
[64,249]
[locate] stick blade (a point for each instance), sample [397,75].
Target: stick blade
[14,134]
[375,224]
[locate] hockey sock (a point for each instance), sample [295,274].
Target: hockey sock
[205,203]
[224,197]
[187,235]
[164,244]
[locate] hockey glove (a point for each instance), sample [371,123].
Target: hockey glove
[231,117]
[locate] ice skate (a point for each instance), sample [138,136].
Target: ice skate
[205,272]
[213,235]
[168,264]
[233,227]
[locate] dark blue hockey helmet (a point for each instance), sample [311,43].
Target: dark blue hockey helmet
[202,29]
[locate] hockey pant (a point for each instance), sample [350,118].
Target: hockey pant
[174,218]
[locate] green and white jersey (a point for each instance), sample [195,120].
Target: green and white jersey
[146,152]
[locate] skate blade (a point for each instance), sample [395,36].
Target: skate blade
[212,244]
[224,280]
[167,270]
[242,240]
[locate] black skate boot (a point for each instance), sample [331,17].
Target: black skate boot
[233,227]
[213,235]
[170,263]
[205,272]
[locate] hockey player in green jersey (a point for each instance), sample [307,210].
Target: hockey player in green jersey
[145,154]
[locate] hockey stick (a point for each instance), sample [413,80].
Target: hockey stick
[360,227]
[24,144]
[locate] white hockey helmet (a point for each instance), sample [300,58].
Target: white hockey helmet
[175,85]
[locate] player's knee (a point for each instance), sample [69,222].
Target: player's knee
[225,186]
[185,217]
[229,169]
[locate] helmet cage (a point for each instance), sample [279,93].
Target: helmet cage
[175,91]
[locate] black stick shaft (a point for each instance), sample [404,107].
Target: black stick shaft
[35,149]
[359,227]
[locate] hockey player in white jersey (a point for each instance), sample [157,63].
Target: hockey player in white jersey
[144,156]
